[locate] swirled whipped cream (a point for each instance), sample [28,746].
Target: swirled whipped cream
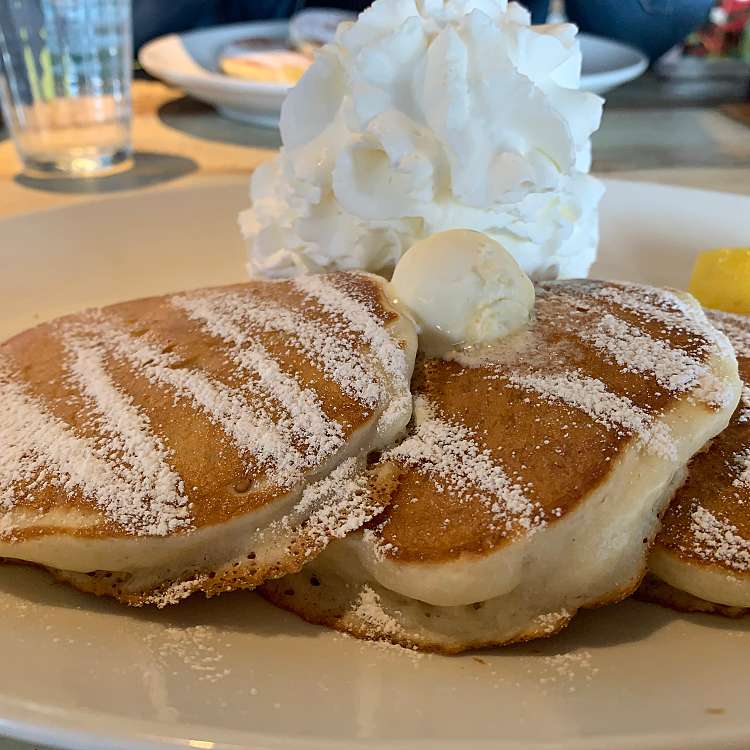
[424,116]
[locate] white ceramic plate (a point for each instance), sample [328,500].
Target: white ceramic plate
[190,61]
[608,64]
[234,672]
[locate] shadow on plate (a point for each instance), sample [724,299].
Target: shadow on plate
[245,612]
[239,611]
[628,622]
[201,121]
[149,168]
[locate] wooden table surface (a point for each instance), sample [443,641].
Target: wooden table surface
[180,141]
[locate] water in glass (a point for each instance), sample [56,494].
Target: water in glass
[65,72]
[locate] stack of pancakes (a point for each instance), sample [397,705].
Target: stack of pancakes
[225,438]
[701,560]
[202,441]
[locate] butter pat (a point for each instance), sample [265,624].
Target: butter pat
[463,288]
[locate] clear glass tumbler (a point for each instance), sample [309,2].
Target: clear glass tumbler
[65,74]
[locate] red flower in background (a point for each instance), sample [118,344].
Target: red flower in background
[724,33]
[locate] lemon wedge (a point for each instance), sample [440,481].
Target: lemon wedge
[721,279]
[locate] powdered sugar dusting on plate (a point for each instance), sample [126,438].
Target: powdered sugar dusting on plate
[450,452]
[607,408]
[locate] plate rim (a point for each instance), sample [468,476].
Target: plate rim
[218,83]
[616,76]
[210,80]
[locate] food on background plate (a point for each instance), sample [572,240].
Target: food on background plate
[274,65]
[422,117]
[533,476]
[701,560]
[721,279]
[203,441]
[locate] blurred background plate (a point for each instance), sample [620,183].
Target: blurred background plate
[190,61]
[230,673]
[608,64]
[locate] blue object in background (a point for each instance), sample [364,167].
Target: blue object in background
[539,9]
[653,26]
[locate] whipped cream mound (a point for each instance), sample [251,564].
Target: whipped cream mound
[462,288]
[428,115]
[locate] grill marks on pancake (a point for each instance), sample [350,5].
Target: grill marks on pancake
[306,418]
[252,429]
[335,355]
[593,398]
[636,351]
[158,491]
[556,405]
[41,449]
[93,417]
[449,452]
[367,322]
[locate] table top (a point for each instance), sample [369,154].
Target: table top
[179,141]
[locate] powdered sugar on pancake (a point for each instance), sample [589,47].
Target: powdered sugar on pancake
[668,308]
[636,351]
[368,608]
[334,355]
[361,319]
[736,327]
[40,449]
[252,428]
[742,462]
[307,419]
[449,451]
[744,412]
[129,433]
[717,540]
[335,505]
[592,397]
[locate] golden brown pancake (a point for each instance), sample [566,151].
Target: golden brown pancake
[703,549]
[532,479]
[200,441]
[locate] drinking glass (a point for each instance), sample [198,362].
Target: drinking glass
[65,74]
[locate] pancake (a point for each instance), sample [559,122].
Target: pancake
[533,476]
[703,550]
[207,441]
